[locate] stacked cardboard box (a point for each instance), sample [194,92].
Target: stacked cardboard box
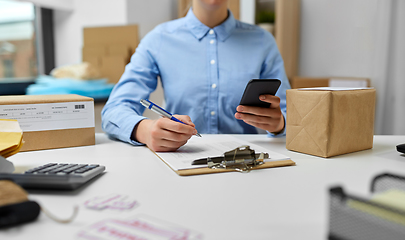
[306,82]
[110,48]
[51,121]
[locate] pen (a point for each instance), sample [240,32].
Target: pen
[161,111]
[221,158]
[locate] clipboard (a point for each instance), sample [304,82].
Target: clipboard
[237,158]
[206,170]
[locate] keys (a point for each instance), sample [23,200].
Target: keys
[62,168]
[86,168]
[40,168]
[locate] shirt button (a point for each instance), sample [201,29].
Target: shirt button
[212,41]
[212,113]
[212,61]
[214,85]
[211,31]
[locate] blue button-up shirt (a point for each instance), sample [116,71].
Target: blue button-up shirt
[203,72]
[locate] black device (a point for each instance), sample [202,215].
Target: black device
[401,148]
[257,87]
[18,213]
[54,175]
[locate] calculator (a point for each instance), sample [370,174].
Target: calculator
[54,175]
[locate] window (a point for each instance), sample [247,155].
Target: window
[26,45]
[8,68]
[18,45]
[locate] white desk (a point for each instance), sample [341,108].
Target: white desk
[278,203]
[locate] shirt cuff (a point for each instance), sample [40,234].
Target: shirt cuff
[123,127]
[130,129]
[279,134]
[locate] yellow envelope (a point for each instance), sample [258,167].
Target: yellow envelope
[10,137]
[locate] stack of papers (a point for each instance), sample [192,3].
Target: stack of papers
[10,137]
[210,146]
[393,198]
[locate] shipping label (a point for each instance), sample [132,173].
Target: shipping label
[50,116]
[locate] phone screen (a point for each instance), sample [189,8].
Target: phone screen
[257,87]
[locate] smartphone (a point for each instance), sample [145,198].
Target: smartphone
[257,87]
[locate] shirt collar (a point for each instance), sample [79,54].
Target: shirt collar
[200,30]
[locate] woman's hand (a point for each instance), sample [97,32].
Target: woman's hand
[270,119]
[164,135]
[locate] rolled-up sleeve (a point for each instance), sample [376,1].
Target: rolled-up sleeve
[123,110]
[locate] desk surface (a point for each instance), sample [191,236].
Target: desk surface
[278,203]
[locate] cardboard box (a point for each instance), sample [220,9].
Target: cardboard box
[307,82]
[329,123]
[102,45]
[113,66]
[51,121]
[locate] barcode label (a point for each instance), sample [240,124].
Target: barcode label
[50,116]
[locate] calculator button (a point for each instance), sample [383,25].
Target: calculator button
[59,169]
[45,170]
[33,170]
[69,170]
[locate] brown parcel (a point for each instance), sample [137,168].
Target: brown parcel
[38,140]
[329,123]
[306,82]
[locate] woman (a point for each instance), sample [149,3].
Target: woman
[204,61]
